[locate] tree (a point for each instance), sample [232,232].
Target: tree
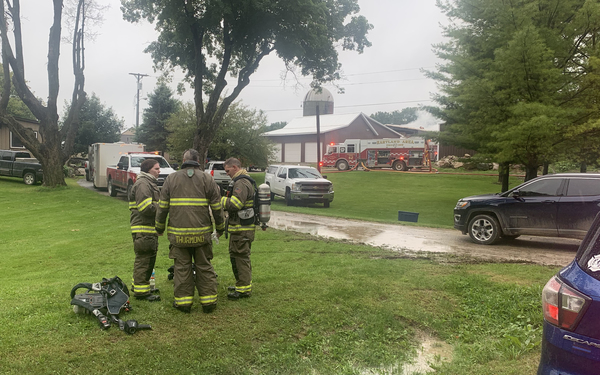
[275,126]
[405,116]
[210,40]
[519,77]
[161,105]
[239,136]
[48,151]
[97,124]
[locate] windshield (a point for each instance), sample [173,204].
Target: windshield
[303,173]
[136,161]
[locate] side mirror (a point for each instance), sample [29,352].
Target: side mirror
[517,195]
[324,176]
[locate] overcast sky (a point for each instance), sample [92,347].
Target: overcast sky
[385,77]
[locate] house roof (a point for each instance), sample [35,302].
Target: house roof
[308,124]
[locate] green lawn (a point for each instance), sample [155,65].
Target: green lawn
[319,307]
[379,195]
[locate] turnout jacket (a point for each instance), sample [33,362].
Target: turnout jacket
[186,197]
[240,195]
[143,204]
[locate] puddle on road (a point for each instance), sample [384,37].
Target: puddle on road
[431,351]
[412,240]
[374,234]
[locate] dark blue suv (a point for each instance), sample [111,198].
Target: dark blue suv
[558,205]
[571,305]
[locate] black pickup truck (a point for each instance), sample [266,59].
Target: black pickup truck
[20,164]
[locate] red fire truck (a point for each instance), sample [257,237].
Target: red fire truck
[400,154]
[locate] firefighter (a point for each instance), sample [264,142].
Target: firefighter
[143,203]
[186,197]
[239,197]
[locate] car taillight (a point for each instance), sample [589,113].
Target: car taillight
[563,305]
[212,172]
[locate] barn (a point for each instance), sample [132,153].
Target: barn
[297,141]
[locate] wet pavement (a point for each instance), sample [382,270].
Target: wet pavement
[413,240]
[410,239]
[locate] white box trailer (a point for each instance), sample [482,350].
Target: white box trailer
[101,155]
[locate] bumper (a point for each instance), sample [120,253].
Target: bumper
[311,197]
[567,353]
[460,217]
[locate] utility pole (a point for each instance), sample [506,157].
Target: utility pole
[138,77]
[318,141]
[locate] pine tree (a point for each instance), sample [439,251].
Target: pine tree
[153,131]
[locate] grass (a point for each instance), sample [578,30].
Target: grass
[319,307]
[432,196]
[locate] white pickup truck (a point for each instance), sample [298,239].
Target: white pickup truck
[297,183]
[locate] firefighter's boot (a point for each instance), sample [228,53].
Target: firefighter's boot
[237,295]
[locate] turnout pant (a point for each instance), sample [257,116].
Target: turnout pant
[145,247]
[240,245]
[205,279]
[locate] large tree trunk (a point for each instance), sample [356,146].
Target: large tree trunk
[52,165]
[531,171]
[504,173]
[545,170]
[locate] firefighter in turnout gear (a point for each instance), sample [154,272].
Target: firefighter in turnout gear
[239,198]
[143,204]
[186,197]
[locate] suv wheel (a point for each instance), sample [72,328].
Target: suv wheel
[484,229]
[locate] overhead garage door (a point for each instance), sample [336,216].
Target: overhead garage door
[310,152]
[293,152]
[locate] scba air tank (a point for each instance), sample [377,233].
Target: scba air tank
[264,205]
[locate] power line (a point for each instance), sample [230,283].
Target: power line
[355,105]
[354,74]
[358,83]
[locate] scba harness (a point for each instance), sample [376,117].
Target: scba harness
[107,297]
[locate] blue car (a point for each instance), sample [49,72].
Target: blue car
[558,205]
[571,305]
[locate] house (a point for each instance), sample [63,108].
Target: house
[8,141]
[128,136]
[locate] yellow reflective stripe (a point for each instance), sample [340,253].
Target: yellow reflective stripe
[163,204]
[221,226]
[159,225]
[189,202]
[142,229]
[216,206]
[236,201]
[132,205]
[208,299]
[145,203]
[249,204]
[240,228]
[243,289]
[183,301]
[184,231]
[141,288]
